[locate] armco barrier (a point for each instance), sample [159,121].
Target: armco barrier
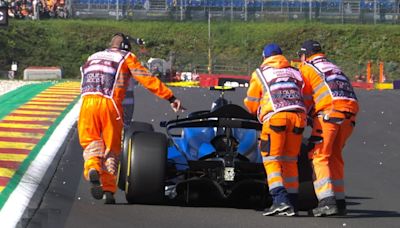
[363,85]
[383,85]
[396,84]
[42,73]
[208,80]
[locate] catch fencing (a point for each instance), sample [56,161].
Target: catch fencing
[332,11]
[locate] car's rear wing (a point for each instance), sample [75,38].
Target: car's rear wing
[230,115]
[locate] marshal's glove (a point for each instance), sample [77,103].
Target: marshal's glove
[176,104]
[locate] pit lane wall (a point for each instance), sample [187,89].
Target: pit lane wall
[34,122]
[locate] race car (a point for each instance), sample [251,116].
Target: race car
[209,157]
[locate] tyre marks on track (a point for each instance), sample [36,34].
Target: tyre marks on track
[22,129]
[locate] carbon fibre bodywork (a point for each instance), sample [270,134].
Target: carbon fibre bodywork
[214,156]
[210,157]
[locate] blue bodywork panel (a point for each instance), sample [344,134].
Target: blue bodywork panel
[195,143]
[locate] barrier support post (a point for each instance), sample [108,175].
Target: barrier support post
[369,72]
[381,77]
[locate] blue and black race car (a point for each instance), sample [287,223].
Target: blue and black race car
[208,157]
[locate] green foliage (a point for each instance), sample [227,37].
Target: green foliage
[67,43]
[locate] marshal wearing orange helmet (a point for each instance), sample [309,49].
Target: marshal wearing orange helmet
[275,95]
[334,107]
[105,78]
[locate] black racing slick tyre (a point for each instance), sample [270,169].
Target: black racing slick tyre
[146,168]
[134,128]
[307,197]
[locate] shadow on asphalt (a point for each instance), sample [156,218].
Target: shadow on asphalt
[371,214]
[238,205]
[57,203]
[257,206]
[358,213]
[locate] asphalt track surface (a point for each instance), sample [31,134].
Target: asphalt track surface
[372,159]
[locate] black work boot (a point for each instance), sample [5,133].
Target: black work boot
[96,190]
[326,207]
[341,205]
[280,209]
[109,198]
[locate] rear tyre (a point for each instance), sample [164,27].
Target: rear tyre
[146,168]
[307,197]
[134,128]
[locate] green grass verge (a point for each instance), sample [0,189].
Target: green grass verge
[13,99]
